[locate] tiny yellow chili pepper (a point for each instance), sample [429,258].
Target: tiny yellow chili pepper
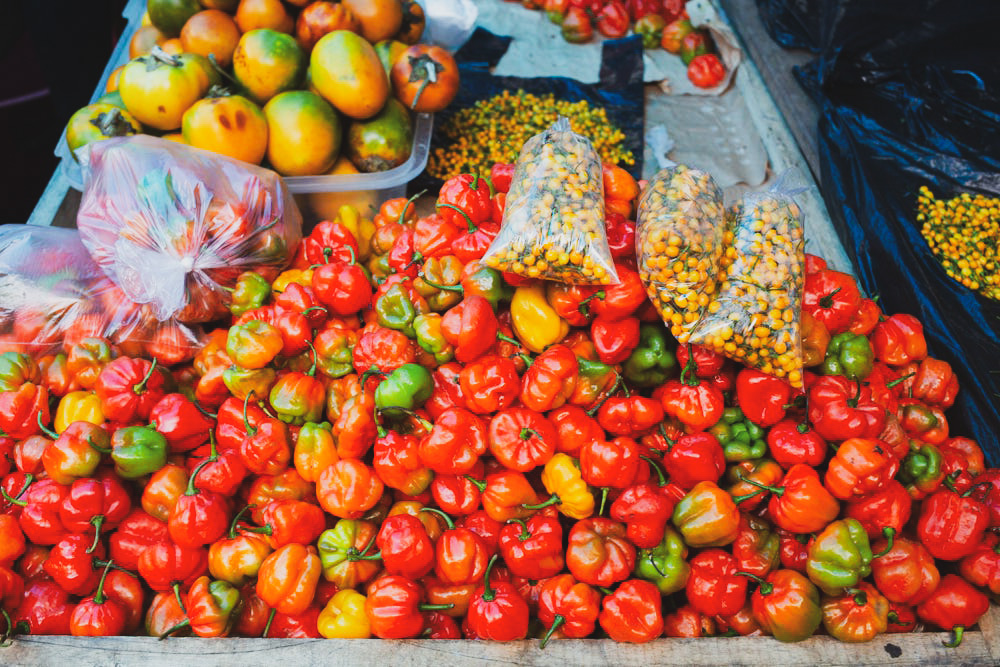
[344,617]
[536,323]
[561,476]
[78,406]
[303,277]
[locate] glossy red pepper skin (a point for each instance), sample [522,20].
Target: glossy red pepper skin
[839,409]
[612,463]
[950,525]
[762,397]
[40,518]
[22,409]
[614,340]
[953,603]
[405,547]
[790,442]
[695,458]
[45,607]
[898,340]
[905,574]
[804,506]
[460,557]
[629,416]
[164,564]
[831,297]
[533,549]
[293,521]
[574,428]
[633,613]
[645,509]
[71,564]
[982,566]
[459,494]
[470,327]
[386,349]
[130,388]
[696,403]
[860,466]
[890,507]
[100,502]
[599,553]
[714,587]
[181,422]
[498,612]
[521,439]
[392,607]
[137,532]
[550,380]
[489,384]
[569,605]
[455,443]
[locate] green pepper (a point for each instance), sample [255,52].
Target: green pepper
[438,282]
[650,29]
[849,355]
[651,363]
[339,553]
[406,387]
[429,337]
[921,471]
[138,451]
[241,381]
[395,310]
[489,284]
[840,557]
[16,369]
[334,353]
[251,291]
[593,379]
[740,438]
[664,564]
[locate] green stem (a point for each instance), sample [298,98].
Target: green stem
[889,533]
[472,229]
[267,627]
[447,288]
[488,593]
[141,387]
[180,626]
[525,534]
[99,596]
[436,607]
[958,632]
[191,490]
[251,431]
[656,467]
[50,433]
[556,622]
[97,521]
[780,490]
[447,519]
[479,484]
[604,499]
[236,520]
[508,339]
[312,369]
[14,501]
[766,587]
[553,500]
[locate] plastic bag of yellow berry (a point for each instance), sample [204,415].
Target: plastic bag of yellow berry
[681,235]
[553,222]
[754,316]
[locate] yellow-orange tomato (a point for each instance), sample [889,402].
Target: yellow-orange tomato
[158,89]
[320,18]
[425,78]
[211,32]
[389,51]
[304,133]
[254,14]
[95,122]
[232,126]
[173,46]
[348,74]
[413,23]
[379,19]
[143,41]
[267,62]
[112,84]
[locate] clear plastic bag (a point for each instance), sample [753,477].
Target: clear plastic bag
[754,317]
[553,222]
[174,226]
[681,236]
[52,294]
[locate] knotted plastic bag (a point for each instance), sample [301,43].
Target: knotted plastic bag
[553,222]
[174,226]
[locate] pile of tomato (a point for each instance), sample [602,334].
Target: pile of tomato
[391,439]
[310,87]
[660,23]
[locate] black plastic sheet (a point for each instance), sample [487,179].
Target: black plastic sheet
[909,94]
[619,90]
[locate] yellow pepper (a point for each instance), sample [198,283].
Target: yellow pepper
[78,406]
[536,323]
[344,617]
[561,476]
[363,229]
[300,276]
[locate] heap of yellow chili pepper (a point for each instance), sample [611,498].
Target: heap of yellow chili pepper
[964,234]
[494,130]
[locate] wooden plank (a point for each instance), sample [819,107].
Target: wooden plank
[900,649]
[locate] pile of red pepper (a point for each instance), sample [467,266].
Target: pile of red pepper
[393,440]
[659,23]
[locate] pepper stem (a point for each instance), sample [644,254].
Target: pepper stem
[899,380]
[472,229]
[780,490]
[249,430]
[479,484]
[766,587]
[46,430]
[267,626]
[180,626]
[28,478]
[423,422]
[177,594]
[312,369]
[525,534]
[406,206]
[97,521]
[556,622]
[691,367]
[488,593]
[99,596]
[827,300]
[141,387]
[958,632]
[236,520]
[447,288]
[748,496]
[191,490]
[527,433]
[447,519]
[372,370]
[656,467]
[210,415]
[584,306]
[435,607]
[553,500]
[604,499]
[889,533]
[508,339]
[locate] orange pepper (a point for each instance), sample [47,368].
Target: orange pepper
[287,579]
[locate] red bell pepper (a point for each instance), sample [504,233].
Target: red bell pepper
[40,517]
[860,466]
[762,397]
[629,415]
[165,565]
[130,388]
[633,613]
[348,489]
[532,548]
[455,443]
[801,504]
[521,439]
[405,547]
[470,327]
[889,507]
[569,606]
[695,402]
[790,442]
[550,380]
[694,458]
[137,532]
[904,571]
[840,409]
[954,605]
[645,509]
[45,608]
[574,428]
[951,525]
[180,421]
[95,504]
[497,611]
[489,384]
[982,566]
[23,410]
[599,553]
[831,297]
[329,241]
[899,340]
[757,548]
[614,340]
[714,586]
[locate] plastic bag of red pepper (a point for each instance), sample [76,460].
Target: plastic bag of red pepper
[394,440]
